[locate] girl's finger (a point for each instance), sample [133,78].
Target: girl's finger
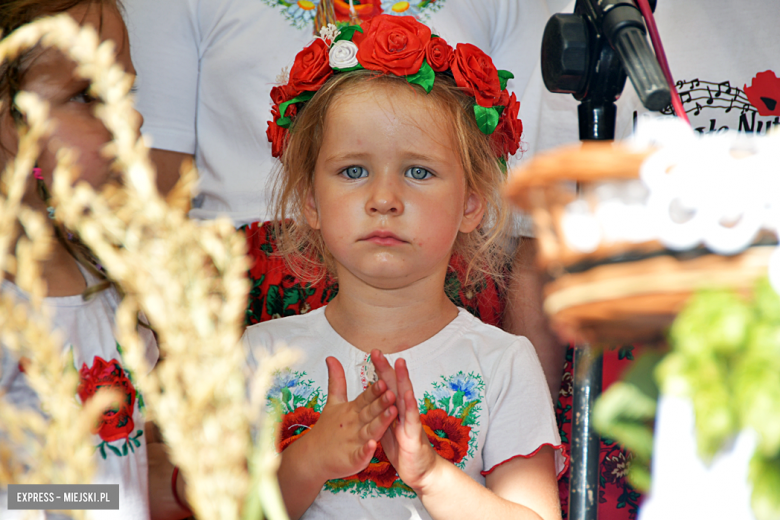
[384,371]
[364,454]
[370,395]
[377,427]
[404,386]
[337,381]
[376,407]
[411,421]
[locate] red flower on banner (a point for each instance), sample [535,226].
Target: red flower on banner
[450,438]
[438,54]
[379,469]
[295,425]
[506,137]
[311,68]
[392,44]
[475,73]
[764,93]
[117,421]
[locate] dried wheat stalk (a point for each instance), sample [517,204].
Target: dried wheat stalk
[189,280]
[36,449]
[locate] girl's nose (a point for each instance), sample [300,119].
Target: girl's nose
[139,121]
[385,197]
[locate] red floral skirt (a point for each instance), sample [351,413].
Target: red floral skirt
[276,293]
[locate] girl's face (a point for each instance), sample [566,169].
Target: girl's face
[389,191]
[52,77]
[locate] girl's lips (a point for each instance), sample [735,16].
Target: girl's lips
[384,238]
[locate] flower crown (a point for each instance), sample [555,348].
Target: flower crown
[401,46]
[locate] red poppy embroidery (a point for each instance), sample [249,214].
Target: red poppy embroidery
[450,438]
[379,469]
[764,93]
[117,421]
[295,425]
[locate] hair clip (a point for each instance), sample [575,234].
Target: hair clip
[37,173]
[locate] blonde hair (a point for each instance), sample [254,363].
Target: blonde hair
[303,248]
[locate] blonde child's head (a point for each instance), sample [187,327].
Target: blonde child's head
[446,112]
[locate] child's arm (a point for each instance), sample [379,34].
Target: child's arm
[519,488]
[340,444]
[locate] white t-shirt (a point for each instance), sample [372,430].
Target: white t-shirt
[481,392]
[206,68]
[120,444]
[715,49]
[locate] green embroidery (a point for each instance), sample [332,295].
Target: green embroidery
[291,390]
[129,446]
[138,395]
[300,13]
[368,488]
[459,396]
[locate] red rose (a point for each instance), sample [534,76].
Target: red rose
[450,438]
[438,53]
[475,73]
[393,44]
[311,67]
[277,135]
[117,421]
[295,425]
[505,140]
[282,93]
[379,469]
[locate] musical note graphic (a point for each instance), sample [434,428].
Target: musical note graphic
[699,95]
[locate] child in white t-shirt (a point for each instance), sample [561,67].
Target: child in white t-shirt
[392,163]
[79,298]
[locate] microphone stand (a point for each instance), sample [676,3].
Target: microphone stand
[589,54]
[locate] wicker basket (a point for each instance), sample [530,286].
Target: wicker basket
[612,289]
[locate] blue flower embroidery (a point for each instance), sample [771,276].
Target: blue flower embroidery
[465,384]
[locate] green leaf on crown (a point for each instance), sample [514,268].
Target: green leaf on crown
[347,33]
[424,77]
[502,164]
[285,121]
[349,69]
[487,118]
[503,77]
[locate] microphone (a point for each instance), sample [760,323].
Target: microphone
[590,52]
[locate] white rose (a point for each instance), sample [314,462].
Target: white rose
[343,55]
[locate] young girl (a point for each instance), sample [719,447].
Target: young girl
[82,301]
[392,163]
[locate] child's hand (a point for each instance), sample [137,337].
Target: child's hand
[405,442]
[347,432]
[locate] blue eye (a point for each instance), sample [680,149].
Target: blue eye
[417,173]
[355,172]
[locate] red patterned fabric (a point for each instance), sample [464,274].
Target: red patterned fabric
[618,500]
